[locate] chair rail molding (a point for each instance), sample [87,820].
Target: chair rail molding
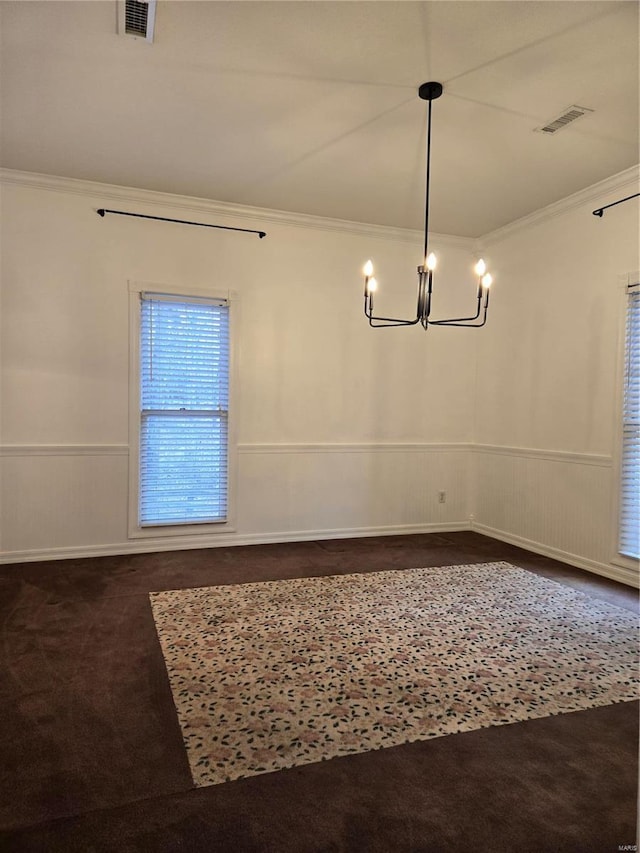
[64,450]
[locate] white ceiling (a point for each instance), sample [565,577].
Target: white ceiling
[312,106]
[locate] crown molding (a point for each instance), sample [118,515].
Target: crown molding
[594,193]
[151,198]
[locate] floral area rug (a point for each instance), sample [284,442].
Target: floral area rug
[273,675]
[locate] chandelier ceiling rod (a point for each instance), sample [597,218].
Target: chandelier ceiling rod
[428,92]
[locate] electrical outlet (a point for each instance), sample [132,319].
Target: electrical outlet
[442,497]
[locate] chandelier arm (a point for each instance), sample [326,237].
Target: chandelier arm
[384,321]
[388,323]
[462,323]
[459,319]
[391,321]
[465,319]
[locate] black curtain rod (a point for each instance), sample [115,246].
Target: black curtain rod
[101,212]
[601,210]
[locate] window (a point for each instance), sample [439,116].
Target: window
[182,407]
[629,514]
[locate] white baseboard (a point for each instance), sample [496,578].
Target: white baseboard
[184,543]
[607,570]
[616,573]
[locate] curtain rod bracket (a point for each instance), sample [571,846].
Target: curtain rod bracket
[600,211]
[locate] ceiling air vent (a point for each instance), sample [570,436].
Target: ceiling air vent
[136,18]
[571,114]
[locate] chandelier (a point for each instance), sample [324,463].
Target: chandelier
[428,92]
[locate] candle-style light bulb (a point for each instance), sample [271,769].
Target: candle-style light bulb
[487,280]
[431,262]
[480,268]
[372,285]
[368,269]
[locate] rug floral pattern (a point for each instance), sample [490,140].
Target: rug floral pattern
[273,675]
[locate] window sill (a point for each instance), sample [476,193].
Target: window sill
[175,530]
[627,563]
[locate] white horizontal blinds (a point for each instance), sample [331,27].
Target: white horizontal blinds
[184,393]
[630,479]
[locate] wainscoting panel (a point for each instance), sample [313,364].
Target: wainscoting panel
[333,487]
[62,501]
[555,503]
[61,497]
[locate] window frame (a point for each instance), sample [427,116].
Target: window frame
[199,529]
[625,281]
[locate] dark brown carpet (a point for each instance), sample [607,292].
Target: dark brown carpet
[92,756]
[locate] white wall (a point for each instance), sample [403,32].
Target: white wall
[548,371]
[341,430]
